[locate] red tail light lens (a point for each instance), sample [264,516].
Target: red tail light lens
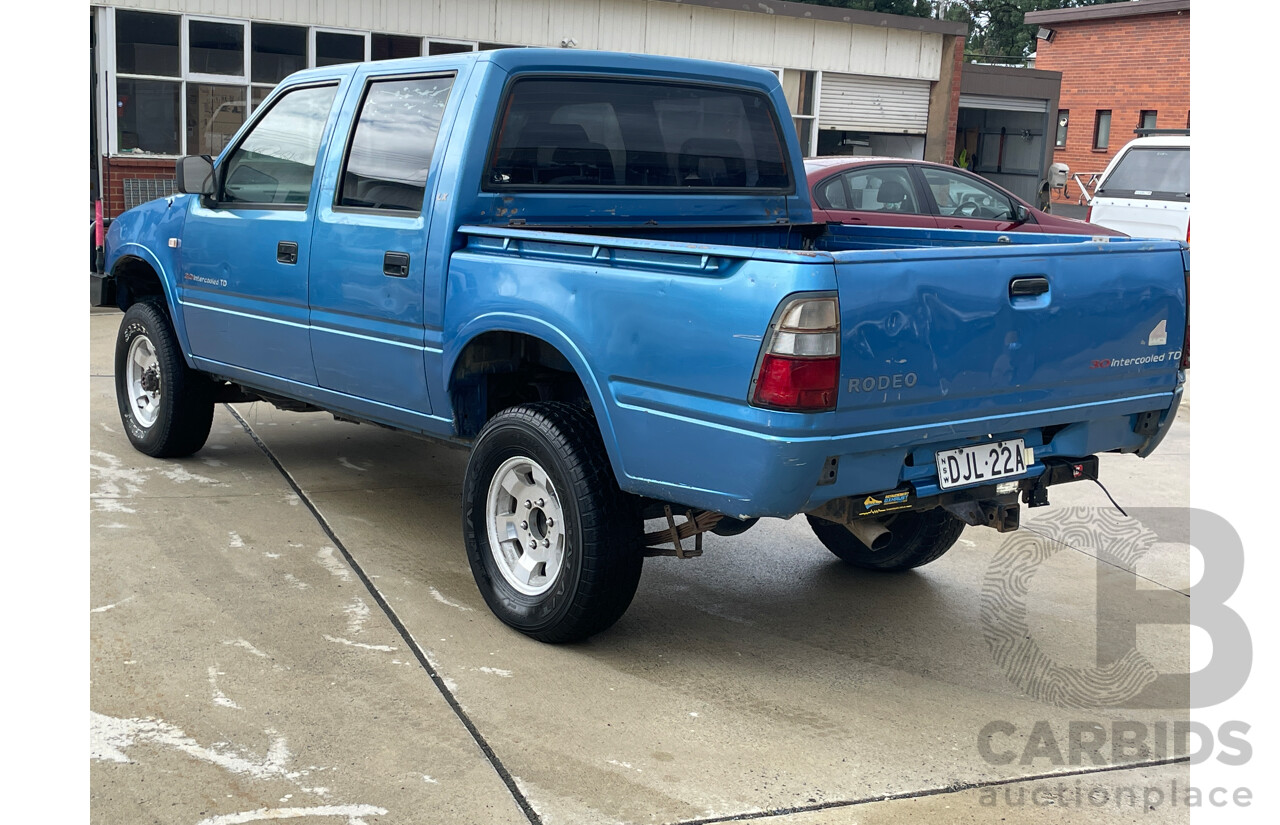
[807,384]
[800,368]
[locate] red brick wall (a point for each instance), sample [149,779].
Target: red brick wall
[953,113]
[116,170]
[1123,64]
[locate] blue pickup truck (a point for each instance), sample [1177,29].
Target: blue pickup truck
[601,272]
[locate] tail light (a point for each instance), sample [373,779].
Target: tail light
[799,369]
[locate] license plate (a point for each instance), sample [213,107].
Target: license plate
[985,463]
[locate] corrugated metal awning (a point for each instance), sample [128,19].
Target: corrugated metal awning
[856,102]
[1004,104]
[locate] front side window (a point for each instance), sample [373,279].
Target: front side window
[585,134]
[394,140]
[276,161]
[960,196]
[882,189]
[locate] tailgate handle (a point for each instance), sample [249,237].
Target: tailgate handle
[1028,287]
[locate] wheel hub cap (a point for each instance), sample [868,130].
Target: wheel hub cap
[526,526]
[142,377]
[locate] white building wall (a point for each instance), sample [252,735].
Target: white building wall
[647,26]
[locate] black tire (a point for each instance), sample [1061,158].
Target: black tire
[600,559]
[917,538]
[174,419]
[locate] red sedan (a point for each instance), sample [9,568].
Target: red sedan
[902,192]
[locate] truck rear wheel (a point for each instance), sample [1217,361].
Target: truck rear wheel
[165,406]
[916,538]
[552,542]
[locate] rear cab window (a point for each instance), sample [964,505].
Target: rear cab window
[1151,172]
[600,134]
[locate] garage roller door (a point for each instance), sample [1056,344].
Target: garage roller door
[863,103]
[1004,104]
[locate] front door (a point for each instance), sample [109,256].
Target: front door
[367,290]
[245,251]
[965,201]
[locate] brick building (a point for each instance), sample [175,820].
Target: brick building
[1124,66]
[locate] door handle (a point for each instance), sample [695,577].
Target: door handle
[287,252]
[1028,287]
[396,264]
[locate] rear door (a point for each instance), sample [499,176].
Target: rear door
[245,252]
[367,288]
[874,196]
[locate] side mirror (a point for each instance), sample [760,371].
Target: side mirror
[194,175]
[1020,213]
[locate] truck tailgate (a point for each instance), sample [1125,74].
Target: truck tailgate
[966,334]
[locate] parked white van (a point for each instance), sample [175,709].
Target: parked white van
[1145,191]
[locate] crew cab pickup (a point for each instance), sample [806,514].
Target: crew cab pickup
[601,272]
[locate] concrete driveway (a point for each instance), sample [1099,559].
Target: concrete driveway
[284,627]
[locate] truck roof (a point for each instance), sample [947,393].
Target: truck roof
[576,60]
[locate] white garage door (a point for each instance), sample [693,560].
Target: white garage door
[1004,104]
[862,103]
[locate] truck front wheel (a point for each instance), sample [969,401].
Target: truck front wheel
[165,406]
[916,538]
[552,541]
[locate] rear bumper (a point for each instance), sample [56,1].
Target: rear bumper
[748,473]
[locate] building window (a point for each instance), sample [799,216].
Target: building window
[215,48]
[1147,120]
[1102,129]
[278,51]
[394,46]
[436,47]
[339,47]
[147,44]
[797,86]
[148,107]
[1063,116]
[185,84]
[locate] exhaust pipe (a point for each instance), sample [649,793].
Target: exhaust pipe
[871,533]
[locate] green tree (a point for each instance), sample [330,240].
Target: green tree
[996,27]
